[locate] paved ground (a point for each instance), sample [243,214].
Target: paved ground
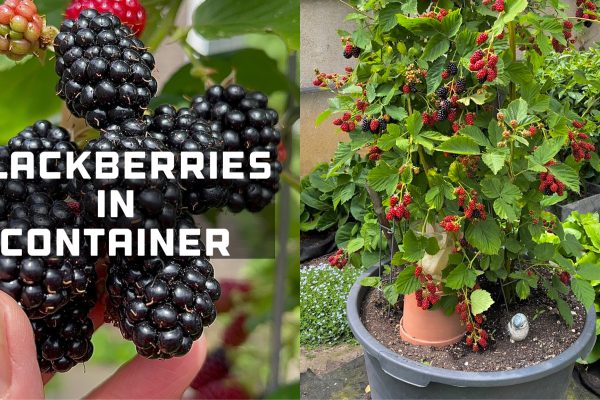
[347,380]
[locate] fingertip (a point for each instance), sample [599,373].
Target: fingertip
[19,371]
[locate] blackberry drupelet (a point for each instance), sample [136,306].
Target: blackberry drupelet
[41,136]
[64,339]
[365,124]
[43,285]
[245,123]
[162,304]
[105,71]
[157,201]
[184,131]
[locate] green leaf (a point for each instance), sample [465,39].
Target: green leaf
[548,149]
[481,300]
[451,23]
[565,311]
[566,175]
[355,245]
[572,245]
[543,251]
[584,292]
[505,210]
[517,110]
[343,194]
[434,74]
[383,178]
[519,72]
[387,16]
[419,26]
[475,133]
[414,123]
[460,277]
[322,117]
[391,294]
[342,155]
[485,235]
[436,47]
[494,160]
[589,271]
[407,282]
[397,113]
[415,247]
[215,19]
[497,188]
[522,289]
[371,281]
[459,145]
[28,94]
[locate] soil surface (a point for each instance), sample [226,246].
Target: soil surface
[316,262]
[313,237]
[548,335]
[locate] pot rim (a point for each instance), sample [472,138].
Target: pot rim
[419,374]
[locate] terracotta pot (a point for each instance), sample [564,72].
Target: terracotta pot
[429,327]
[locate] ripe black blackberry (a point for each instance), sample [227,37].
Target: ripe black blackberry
[157,201]
[413,87]
[161,303]
[382,125]
[365,124]
[442,92]
[40,136]
[105,71]
[452,68]
[347,54]
[43,285]
[442,115]
[184,131]
[64,338]
[461,85]
[445,105]
[356,52]
[245,123]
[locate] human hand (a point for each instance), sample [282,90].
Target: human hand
[140,378]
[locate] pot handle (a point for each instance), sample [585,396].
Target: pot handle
[400,372]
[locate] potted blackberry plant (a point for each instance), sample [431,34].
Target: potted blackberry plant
[466,151]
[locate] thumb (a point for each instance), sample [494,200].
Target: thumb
[19,372]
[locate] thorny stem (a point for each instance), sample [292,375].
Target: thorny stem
[512,42]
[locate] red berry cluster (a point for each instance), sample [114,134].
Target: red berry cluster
[568,35]
[475,210]
[451,223]
[586,10]
[432,14]
[330,80]
[470,119]
[483,63]
[460,192]
[579,124]
[346,123]
[482,38]
[339,259]
[21,29]
[130,12]
[361,105]
[549,184]
[398,210]
[471,164]
[375,125]
[549,225]
[375,153]
[350,50]
[477,338]
[580,146]
[429,292]
[530,132]
[497,5]
[413,76]
[564,277]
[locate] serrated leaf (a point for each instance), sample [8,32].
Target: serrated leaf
[459,145]
[566,175]
[475,133]
[565,311]
[543,251]
[485,236]
[522,290]
[548,149]
[584,292]
[505,210]
[414,124]
[322,117]
[460,277]
[355,244]
[494,160]
[407,282]
[383,178]
[481,300]
[370,281]
[397,113]
[434,74]
[589,271]
[451,23]
[390,292]
[517,110]
[437,46]
[343,194]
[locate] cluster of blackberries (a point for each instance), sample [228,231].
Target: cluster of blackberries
[58,290]
[586,10]
[375,125]
[243,121]
[351,51]
[105,71]
[549,184]
[451,70]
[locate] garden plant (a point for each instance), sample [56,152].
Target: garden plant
[457,152]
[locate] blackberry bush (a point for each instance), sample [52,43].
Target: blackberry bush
[105,71]
[245,123]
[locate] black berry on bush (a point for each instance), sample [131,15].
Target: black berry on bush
[64,338]
[162,303]
[442,92]
[184,131]
[452,68]
[245,123]
[105,71]
[43,285]
[365,125]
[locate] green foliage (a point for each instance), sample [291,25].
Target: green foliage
[323,292]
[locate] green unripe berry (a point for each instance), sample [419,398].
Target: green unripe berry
[4,44]
[4,30]
[33,32]
[15,35]
[18,23]
[20,47]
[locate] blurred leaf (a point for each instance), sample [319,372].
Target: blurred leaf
[53,10]
[289,391]
[27,95]
[216,19]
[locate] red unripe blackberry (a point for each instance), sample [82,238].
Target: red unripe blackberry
[482,38]
[222,390]
[374,126]
[406,89]
[215,368]
[131,12]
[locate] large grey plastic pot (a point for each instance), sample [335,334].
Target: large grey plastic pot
[392,376]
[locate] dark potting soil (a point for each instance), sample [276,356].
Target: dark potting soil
[548,335]
[313,237]
[317,262]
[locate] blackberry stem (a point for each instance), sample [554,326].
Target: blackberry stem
[512,43]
